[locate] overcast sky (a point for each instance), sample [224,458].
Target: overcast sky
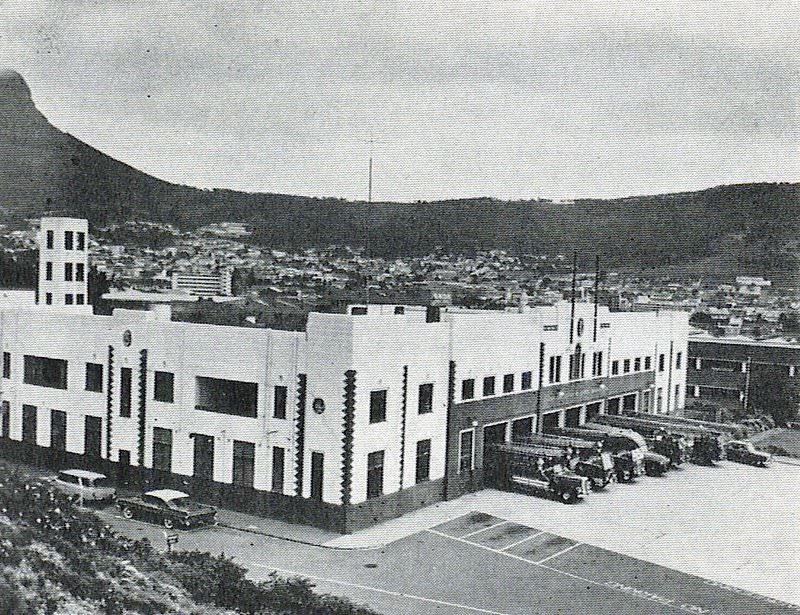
[504,99]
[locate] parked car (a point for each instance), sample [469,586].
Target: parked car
[744,452]
[90,486]
[168,507]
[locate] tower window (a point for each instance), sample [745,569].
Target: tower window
[81,241]
[68,299]
[68,240]
[80,272]
[48,271]
[50,239]
[48,298]
[68,272]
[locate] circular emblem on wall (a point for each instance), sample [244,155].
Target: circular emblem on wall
[580,327]
[318,405]
[127,337]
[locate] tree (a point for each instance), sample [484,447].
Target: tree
[773,393]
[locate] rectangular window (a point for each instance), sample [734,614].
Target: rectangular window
[425,402]
[45,372]
[48,271]
[508,383]
[648,363]
[203,456]
[468,388]
[68,272]
[659,398]
[94,377]
[68,240]
[79,299]
[678,360]
[626,366]
[279,402]
[423,461]
[226,396]
[48,298]
[50,240]
[488,386]
[614,368]
[92,436]
[527,380]
[29,424]
[375,474]
[465,447]
[612,406]
[555,369]
[317,475]
[81,241]
[162,449]
[677,393]
[637,364]
[5,420]
[597,364]
[661,362]
[80,272]
[125,382]
[244,463]
[164,387]
[377,406]
[68,299]
[58,430]
[6,365]
[278,457]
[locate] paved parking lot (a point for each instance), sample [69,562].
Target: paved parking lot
[732,528]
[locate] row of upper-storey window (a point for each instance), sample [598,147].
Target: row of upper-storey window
[377,402]
[73,240]
[722,365]
[69,299]
[73,272]
[489,385]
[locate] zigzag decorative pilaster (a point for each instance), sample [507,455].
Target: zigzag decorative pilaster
[142,404]
[347,434]
[300,433]
[403,425]
[109,399]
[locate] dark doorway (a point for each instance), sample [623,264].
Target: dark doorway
[592,410]
[521,429]
[316,476]
[58,430]
[375,474]
[572,418]
[92,436]
[550,422]
[629,403]
[645,407]
[492,434]
[5,417]
[203,457]
[124,467]
[612,406]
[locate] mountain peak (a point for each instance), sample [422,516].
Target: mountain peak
[13,86]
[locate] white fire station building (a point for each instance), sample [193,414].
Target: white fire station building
[361,417]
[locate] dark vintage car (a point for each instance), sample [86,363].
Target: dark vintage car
[744,452]
[168,507]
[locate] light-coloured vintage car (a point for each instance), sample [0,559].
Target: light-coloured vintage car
[744,452]
[168,507]
[87,485]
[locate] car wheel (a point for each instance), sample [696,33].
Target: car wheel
[127,513]
[168,523]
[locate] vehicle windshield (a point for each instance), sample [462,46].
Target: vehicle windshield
[181,502]
[101,482]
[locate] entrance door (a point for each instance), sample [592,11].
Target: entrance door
[493,434]
[592,410]
[521,429]
[629,403]
[550,421]
[92,436]
[203,457]
[646,401]
[123,468]
[612,407]
[316,476]
[573,417]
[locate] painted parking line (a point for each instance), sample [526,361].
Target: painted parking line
[549,557]
[519,542]
[484,529]
[632,592]
[467,523]
[379,590]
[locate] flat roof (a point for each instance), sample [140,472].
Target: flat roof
[167,494]
[778,342]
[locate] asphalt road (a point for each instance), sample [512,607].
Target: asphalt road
[477,563]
